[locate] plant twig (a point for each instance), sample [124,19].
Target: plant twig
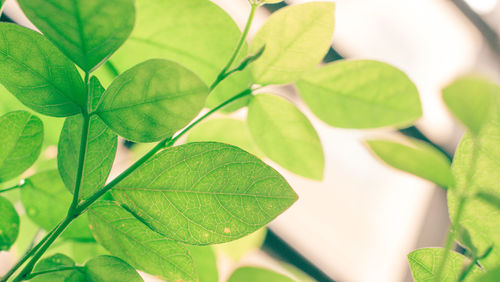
[32,275]
[222,75]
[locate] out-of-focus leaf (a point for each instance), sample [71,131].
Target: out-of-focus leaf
[296,39]
[286,136]
[239,248]
[205,262]
[225,130]
[418,158]
[469,99]
[252,274]
[361,94]
[46,201]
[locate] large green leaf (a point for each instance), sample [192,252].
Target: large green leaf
[469,99]
[20,144]
[152,100]
[251,274]
[197,34]
[57,261]
[361,94]
[46,201]
[205,262]
[224,193]
[479,217]
[225,130]
[296,39]
[9,225]
[415,157]
[99,157]
[36,72]
[126,237]
[108,268]
[286,136]
[424,265]
[87,31]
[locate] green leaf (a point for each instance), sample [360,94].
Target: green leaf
[296,39]
[108,268]
[286,136]
[415,157]
[126,237]
[152,100]
[205,262]
[87,31]
[36,73]
[224,193]
[197,34]
[21,143]
[99,157]
[361,94]
[251,274]
[46,201]
[96,92]
[9,225]
[489,198]
[424,265]
[479,217]
[469,99]
[492,275]
[54,262]
[225,130]
[239,248]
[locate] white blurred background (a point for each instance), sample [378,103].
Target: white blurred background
[360,223]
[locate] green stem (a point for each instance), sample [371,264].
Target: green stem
[467,270]
[458,215]
[32,275]
[167,142]
[10,188]
[29,252]
[81,162]
[38,254]
[222,75]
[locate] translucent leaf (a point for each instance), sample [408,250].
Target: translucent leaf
[99,157]
[126,237]
[9,225]
[108,268]
[87,31]
[205,262]
[197,34]
[479,217]
[225,130]
[251,274]
[20,144]
[415,157]
[55,262]
[46,201]
[36,72]
[361,94]
[424,265]
[296,39]
[469,99]
[152,100]
[286,136]
[224,193]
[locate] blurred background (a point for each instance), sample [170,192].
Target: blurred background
[360,223]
